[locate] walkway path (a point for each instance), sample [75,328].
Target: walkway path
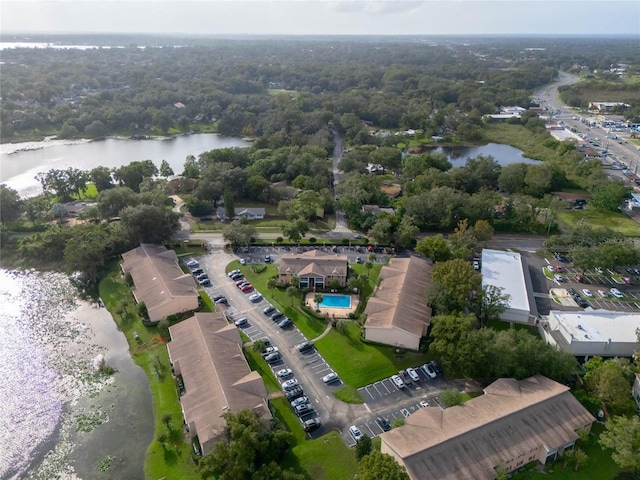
[326,330]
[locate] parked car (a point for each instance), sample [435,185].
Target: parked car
[397,381]
[299,401]
[476,264]
[578,278]
[311,424]
[599,270]
[241,322]
[237,277]
[222,300]
[232,273]
[571,291]
[217,297]
[304,346]
[429,371]
[304,409]
[436,367]
[359,260]
[405,377]
[255,298]
[247,288]
[289,384]
[269,350]
[273,357]
[205,282]
[330,378]
[192,262]
[197,271]
[602,293]
[587,292]
[355,432]
[384,424]
[558,278]
[267,259]
[243,261]
[424,404]
[285,323]
[550,268]
[616,293]
[202,276]
[294,393]
[277,316]
[413,374]
[240,282]
[269,310]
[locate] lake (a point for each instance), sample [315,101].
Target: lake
[504,154]
[20,163]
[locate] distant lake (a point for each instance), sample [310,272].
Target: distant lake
[503,154]
[18,169]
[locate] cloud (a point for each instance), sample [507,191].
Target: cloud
[378,7]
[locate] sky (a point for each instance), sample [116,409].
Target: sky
[323,17]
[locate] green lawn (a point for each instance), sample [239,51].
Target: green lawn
[616,221]
[324,458]
[174,461]
[360,363]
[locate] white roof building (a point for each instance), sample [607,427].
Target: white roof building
[592,332]
[508,270]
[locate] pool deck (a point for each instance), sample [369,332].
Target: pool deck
[333,311]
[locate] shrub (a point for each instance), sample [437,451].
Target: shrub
[313,240]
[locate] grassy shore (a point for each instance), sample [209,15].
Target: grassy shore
[616,221]
[174,460]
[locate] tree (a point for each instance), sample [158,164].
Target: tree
[165,169]
[609,384]
[295,229]
[576,457]
[358,282]
[10,204]
[248,446]
[491,303]
[363,446]
[95,129]
[608,196]
[406,232]
[317,298]
[149,223]
[238,232]
[622,435]
[272,283]
[380,466]
[451,397]
[229,208]
[482,231]
[131,175]
[112,201]
[101,178]
[87,250]
[292,293]
[452,284]
[381,231]
[512,177]
[436,248]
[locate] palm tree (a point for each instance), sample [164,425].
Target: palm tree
[292,292]
[317,299]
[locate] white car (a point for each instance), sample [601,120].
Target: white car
[232,273]
[241,322]
[424,404]
[616,293]
[397,381]
[587,292]
[355,432]
[289,384]
[602,293]
[558,278]
[429,371]
[330,378]
[599,270]
[413,374]
[285,372]
[270,350]
[299,401]
[550,268]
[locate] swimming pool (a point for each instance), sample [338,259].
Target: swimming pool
[335,301]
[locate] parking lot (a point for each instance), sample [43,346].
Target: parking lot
[353,253]
[597,283]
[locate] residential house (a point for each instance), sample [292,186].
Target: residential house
[77,207]
[314,268]
[159,282]
[248,213]
[207,352]
[397,313]
[512,424]
[636,390]
[375,168]
[376,210]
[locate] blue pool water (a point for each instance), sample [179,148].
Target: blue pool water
[335,301]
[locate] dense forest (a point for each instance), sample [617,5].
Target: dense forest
[287,86]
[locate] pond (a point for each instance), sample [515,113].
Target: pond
[503,154]
[20,163]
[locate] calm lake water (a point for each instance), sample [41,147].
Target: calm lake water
[20,163]
[504,154]
[49,342]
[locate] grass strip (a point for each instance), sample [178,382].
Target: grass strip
[348,394]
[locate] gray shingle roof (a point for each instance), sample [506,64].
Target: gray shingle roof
[314,263]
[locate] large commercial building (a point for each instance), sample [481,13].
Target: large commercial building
[207,352]
[159,281]
[509,271]
[592,332]
[512,424]
[397,312]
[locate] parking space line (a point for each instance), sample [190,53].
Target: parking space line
[385,387]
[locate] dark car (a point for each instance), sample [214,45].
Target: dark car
[304,346]
[294,393]
[217,297]
[237,276]
[435,367]
[197,271]
[384,423]
[285,323]
[571,291]
[222,300]
[269,310]
[405,376]
[205,282]
[273,357]
[267,259]
[277,316]
[311,424]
